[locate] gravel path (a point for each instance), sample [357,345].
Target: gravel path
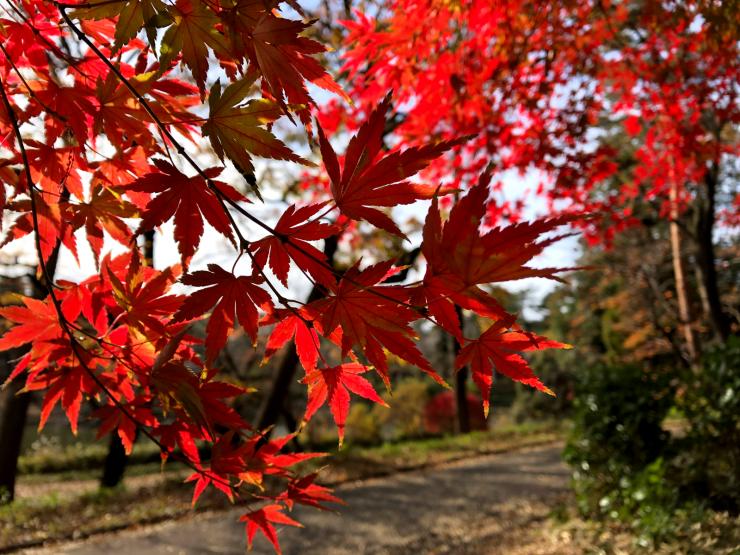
[485,505]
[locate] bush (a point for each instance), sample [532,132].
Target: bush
[650,502]
[617,432]
[710,452]
[555,369]
[362,427]
[627,468]
[404,419]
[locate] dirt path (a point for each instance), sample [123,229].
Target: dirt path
[486,505]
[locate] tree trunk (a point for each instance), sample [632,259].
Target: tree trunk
[147,248]
[116,460]
[274,404]
[461,399]
[115,463]
[461,387]
[684,310]
[706,257]
[11,432]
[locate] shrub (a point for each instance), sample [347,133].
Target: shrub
[362,427]
[710,452]
[404,418]
[627,468]
[617,432]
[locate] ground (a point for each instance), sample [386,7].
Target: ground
[484,505]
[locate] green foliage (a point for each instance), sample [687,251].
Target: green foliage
[710,460]
[47,456]
[649,500]
[402,419]
[618,413]
[362,426]
[627,468]
[555,369]
[617,439]
[405,417]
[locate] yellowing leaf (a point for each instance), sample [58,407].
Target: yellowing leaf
[235,128]
[133,15]
[193,31]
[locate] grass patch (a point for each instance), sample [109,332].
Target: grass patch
[713,533]
[78,457]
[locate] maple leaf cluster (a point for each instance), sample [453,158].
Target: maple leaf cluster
[102,149]
[546,85]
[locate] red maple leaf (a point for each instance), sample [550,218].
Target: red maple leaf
[51,228]
[193,31]
[103,212]
[236,298]
[461,255]
[38,323]
[462,251]
[111,418]
[333,385]
[305,491]
[189,200]
[371,318]
[66,385]
[306,339]
[264,520]
[285,59]
[35,322]
[632,125]
[205,478]
[498,348]
[143,295]
[366,181]
[290,241]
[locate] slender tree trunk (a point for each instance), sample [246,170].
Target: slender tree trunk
[702,290]
[461,387]
[11,431]
[706,259]
[684,310]
[461,398]
[116,460]
[274,403]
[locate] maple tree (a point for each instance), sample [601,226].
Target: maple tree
[549,86]
[103,128]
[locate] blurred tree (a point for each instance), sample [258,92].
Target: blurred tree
[565,88]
